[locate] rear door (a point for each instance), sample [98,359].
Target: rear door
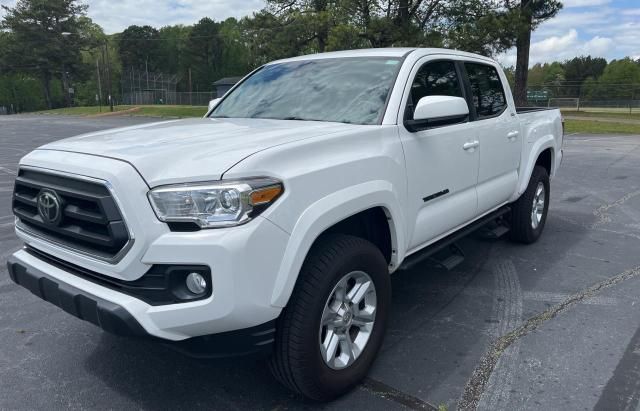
[498,131]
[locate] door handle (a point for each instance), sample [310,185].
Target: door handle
[512,135]
[470,145]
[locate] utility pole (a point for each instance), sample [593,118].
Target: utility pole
[106,47]
[65,81]
[146,68]
[99,85]
[190,89]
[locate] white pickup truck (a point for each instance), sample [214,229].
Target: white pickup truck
[272,224]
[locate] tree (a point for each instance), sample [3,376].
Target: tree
[475,25]
[314,15]
[51,34]
[235,56]
[578,69]
[269,37]
[618,77]
[139,48]
[203,53]
[171,48]
[478,26]
[530,14]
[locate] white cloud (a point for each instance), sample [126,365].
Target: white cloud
[8,3]
[559,48]
[554,44]
[115,15]
[601,31]
[584,3]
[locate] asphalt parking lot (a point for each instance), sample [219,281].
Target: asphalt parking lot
[554,325]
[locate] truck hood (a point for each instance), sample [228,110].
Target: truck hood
[192,150]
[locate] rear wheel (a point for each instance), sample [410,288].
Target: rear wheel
[529,213]
[332,328]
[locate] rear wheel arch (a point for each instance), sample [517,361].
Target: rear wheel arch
[545,159]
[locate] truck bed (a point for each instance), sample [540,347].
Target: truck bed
[521,110]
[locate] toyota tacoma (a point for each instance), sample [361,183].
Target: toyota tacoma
[272,224]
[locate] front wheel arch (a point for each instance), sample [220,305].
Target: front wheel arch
[330,211]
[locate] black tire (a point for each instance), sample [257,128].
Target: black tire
[297,362]
[522,227]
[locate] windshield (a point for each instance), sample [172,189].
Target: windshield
[346,90]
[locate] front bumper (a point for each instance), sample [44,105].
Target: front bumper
[244,261]
[115,319]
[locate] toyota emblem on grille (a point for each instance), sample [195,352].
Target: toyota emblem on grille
[49,207]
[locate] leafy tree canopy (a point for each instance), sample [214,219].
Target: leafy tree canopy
[47,37]
[139,48]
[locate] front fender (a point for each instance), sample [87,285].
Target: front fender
[326,212]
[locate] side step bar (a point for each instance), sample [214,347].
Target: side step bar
[428,252]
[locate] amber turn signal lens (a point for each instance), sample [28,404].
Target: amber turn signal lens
[265,195]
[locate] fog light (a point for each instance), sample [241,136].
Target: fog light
[196,283]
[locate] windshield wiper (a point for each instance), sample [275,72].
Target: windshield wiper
[296,118]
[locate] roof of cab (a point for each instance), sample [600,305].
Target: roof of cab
[396,52]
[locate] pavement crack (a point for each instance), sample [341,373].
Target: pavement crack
[476,386]
[601,212]
[387,392]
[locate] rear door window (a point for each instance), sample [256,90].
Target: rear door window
[487,92]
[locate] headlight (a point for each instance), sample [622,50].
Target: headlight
[215,204]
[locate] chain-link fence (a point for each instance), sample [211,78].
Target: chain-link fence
[582,104]
[143,88]
[609,105]
[147,97]
[588,96]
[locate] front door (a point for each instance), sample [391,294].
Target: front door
[442,162]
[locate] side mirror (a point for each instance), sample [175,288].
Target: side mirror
[438,111]
[213,103]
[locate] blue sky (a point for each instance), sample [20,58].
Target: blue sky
[605,28]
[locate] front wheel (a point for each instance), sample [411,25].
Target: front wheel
[529,212]
[332,328]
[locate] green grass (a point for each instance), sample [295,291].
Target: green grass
[150,111]
[80,111]
[171,111]
[600,127]
[603,114]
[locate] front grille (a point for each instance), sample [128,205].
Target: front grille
[90,221]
